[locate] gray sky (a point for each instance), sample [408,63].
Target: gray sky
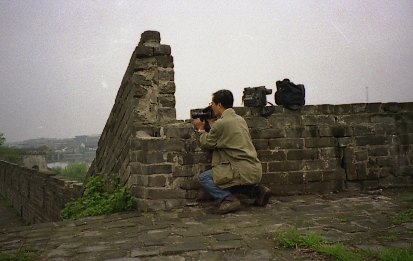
[62,61]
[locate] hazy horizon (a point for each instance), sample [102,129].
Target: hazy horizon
[63,61]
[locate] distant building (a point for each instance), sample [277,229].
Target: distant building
[35,160]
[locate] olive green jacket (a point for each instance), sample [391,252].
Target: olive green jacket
[234,159]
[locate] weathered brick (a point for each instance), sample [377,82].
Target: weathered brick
[162,49]
[374,107]
[266,133]
[370,184]
[311,176]
[165,193]
[371,140]
[391,107]
[295,177]
[386,161]
[165,61]
[352,120]
[338,174]
[361,170]
[336,185]
[353,185]
[142,51]
[183,171]
[399,150]
[268,156]
[150,36]
[139,81]
[391,181]
[282,121]
[275,178]
[156,181]
[167,100]
[157,144]
[317,187]
[145,64]
[166,114]
[385,129]
[260,144]
[343,109]
[151,157]
[288,189]
[285,166]
[322,164]
[344,142]
[403,171]
[256,122]
[320,142]
[361,155]
[351,172]
[301,132]
[326,109]
[303,154]
[359,107]
[166,74]
[331,152]
[309,109]
[181,131]
[167,87]
[373,173]
[318,120]
[156,169]
[378,151]
[383,118]
[276,144]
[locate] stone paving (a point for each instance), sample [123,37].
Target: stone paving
[358,220]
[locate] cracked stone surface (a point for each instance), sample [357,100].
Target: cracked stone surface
[356,219]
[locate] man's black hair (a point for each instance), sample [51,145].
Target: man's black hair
[224,97]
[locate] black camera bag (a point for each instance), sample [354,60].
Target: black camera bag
[289,95]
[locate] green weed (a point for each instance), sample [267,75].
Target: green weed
[25,254]
[404,217]
[101,196]
[292,239]
[392,254]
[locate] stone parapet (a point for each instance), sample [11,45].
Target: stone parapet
[37,196]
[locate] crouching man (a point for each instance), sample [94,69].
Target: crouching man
[235,166]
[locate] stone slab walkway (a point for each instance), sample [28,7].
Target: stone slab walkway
[358,220]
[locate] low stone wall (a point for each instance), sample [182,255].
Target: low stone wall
[319,149]
[37,196]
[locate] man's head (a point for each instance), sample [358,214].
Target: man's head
[222,100]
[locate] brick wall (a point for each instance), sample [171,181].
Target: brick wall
[37,196]
[319,149]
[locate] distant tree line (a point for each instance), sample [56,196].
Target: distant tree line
[10,154]
[73,171]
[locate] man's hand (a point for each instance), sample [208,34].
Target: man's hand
[199,124]
[211,122]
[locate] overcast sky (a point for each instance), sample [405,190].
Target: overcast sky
[62,61]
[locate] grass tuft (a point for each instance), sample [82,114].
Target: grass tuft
[293,239]
[24,254]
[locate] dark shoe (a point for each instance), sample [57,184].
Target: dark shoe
[263,195]
[229,204]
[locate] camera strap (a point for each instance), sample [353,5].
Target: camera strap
[269,112]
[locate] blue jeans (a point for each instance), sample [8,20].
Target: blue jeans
[205,179]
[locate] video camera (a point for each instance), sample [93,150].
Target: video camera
[204,114]
[257,97]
